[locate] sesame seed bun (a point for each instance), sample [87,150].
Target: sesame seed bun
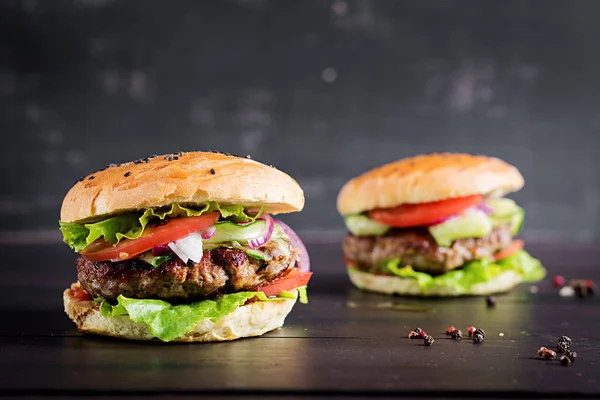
[428,178]
[191,178]
[395,285]
[253,319]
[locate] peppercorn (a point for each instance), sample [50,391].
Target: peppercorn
[471,330]
[571,354]
[457,334]
[548,354]
[428,340]
[563,344]
[479,331]
[413,335]
[540,352]
[423,334]
[212,171]
[564,360]
[558,280]
[477,338]
[417,330]
[591,286]
[490,301]
[449,330]
[126,174]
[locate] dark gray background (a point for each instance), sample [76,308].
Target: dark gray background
[322,89]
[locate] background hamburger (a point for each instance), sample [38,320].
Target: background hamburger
[436,225]
[183,247]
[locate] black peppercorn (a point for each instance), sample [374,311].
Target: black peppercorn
[127,174]
[456,334]
[91,177]
[571,354]
[212,171]
[564,360]
[477,338]
[479,331]
[490,301]
[428,340]
[563,344]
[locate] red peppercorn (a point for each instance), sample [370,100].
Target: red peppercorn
[471,330]
[449,330]
[423,334]
[558,280]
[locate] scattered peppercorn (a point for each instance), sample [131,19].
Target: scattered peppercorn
[548,354]
[423,334]
[571,354]
[540,352]
[126,174]
[563,343]
[564,360]
[477,338]
[558,280]
[168,158]
[479,331]
[175,158]
[490,301]
[449,330]
[418,330]
[212,171]
[91,177]
[457,334]
[81,180]
[591,286]
[428,340]
[471,330]
[413,335]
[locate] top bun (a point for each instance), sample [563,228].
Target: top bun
[427,178]
[186,178]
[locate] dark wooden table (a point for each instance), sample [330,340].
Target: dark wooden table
[344,342]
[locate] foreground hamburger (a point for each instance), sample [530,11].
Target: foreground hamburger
[436,225]
[183,247]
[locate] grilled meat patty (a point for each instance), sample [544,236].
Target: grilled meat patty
[220,271]
[417,248]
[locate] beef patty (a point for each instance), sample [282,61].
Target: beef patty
[220,271]
[417,248]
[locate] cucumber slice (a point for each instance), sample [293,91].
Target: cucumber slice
[229,232]
[361,225]
[515,221]
[471,223]
[503,208]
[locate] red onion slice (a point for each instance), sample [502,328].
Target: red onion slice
[259,241]
[303,258]
[208,232]
[483,206]
[160,250]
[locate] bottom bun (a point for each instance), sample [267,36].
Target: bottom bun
[409,287]
[253,319]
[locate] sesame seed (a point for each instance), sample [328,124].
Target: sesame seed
[180,153]
[248,156]
[212,171]
[127,174]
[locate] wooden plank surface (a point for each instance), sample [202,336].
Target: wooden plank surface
[343,342]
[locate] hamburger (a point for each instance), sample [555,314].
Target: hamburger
[184,247]
[436,225]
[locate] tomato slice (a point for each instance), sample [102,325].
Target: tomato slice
[174,229]
[408,215]
[509,250]
[291,281]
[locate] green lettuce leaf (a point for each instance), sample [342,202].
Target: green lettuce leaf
[463,279]
[529,267]
[167,322]
[131,226]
